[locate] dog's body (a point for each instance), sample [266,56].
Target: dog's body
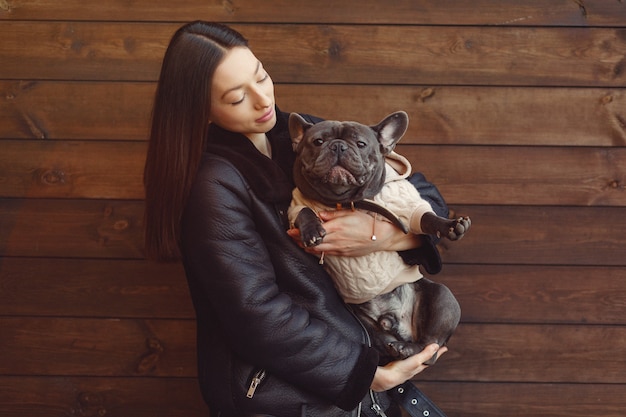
[360,279]
[343,163]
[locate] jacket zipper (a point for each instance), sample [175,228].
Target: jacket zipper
[375,406]
[258,377]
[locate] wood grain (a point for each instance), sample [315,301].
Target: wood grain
[166,348]
[74,169]
[93,288]
[549,236]
[98,396]
[524,176]
[137,289]
[178,397]
[533,353]
[477,115]
[517,112]
[113,229]
[584,295]
[75,110]
[97,347]
[522,399]
[424,12]
[350,54]
[577,176]
[71,228]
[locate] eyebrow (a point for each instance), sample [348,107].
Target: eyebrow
[256,71]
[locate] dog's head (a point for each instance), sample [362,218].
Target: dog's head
[340,162]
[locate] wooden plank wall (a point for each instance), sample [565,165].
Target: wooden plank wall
[518,113]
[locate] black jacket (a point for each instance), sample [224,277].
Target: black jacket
[265,307]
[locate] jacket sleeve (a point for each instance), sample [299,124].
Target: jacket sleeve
[229,262]
[427,254]
[430,193]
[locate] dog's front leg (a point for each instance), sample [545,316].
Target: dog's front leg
[311,230]
[453,229]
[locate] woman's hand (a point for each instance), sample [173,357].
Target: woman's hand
[349,233]
[398,372]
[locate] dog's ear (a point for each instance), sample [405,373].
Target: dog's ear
[297,127]
[390,130]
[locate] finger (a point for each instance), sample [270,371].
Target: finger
[416,361]
[431,349]
[425,355]
[428,352]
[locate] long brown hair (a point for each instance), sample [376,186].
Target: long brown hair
[179,124]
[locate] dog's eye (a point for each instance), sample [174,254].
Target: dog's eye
[361,144]
[318,142]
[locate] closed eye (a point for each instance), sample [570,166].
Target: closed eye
[238,101]
[262,80]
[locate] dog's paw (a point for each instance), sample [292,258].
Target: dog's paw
[402,350]
[312,235]
[458,228]
[311,230]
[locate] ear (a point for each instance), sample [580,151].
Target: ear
[297,127]
[390,130]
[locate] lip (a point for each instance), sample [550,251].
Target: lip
[267,116]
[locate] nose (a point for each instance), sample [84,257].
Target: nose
[262,98]
[339,146]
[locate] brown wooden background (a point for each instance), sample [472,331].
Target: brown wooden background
[518,114]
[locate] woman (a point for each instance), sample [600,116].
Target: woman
[273,336]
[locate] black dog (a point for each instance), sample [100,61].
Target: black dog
[343,164]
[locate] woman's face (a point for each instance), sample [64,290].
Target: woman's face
[242,94]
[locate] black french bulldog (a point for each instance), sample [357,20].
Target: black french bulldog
[342,164]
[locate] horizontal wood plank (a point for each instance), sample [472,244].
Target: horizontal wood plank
[537,294]
[579,176]
[75,110]
[71,229]
[523,400]
[500,235]
[97,347]
[442,12]
[73,169]
[474,115]
[93,288]
[533,353]
[437,114]
[540,236]
[452,55]
[111,397]
[139,289]
[524,176]
[179,397]
[478,352]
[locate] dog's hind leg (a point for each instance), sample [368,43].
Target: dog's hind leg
[439,314]
[436,315]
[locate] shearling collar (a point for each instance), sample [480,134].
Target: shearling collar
[270,179]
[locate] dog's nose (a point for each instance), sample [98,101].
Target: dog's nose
[339,146]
